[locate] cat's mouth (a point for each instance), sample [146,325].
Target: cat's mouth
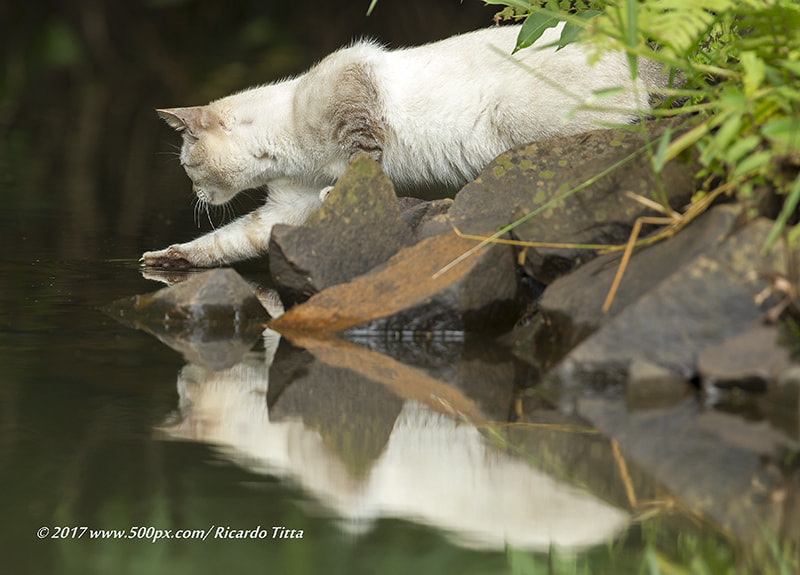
[211,194]
[201,194]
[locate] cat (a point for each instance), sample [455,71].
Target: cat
[433,114]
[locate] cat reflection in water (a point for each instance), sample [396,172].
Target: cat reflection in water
[432,467]
[431,115]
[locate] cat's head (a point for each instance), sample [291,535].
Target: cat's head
[219,153]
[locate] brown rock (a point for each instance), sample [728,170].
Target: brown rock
[411,293]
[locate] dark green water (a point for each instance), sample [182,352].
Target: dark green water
[82,398]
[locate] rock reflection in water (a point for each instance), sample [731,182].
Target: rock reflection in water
[390,457]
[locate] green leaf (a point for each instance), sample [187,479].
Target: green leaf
[792,65]
[522,563]
[608,92]
[727,132]
[783,132]
[533,28]
[741,147]
[734,99]
[371,6]
[754,70]
[661,151]
[571,29]
[753,163]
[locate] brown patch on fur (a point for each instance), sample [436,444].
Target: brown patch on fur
[353,113]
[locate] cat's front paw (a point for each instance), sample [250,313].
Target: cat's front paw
[173,257]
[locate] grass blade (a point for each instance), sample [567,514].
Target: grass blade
[789,206]
[631,36]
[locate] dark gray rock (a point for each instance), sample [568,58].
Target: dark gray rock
[526,177]
[213,318]
[358,227]
[709,461]
[574,303]
[752,359]
[674,306]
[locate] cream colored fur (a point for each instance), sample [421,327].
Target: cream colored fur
[434,114]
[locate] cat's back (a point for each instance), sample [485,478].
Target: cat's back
[478,52]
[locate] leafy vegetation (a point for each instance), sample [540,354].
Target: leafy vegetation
[739,61]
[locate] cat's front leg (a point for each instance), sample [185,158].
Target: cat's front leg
[242,239]
[176,256]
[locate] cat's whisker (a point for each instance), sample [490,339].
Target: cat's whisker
[229,211]
[208,213]
[197,209]
[175,152]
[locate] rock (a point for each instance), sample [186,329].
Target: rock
[422,216]
[749,360]
[650,386]
[573,304]
[411,294]
[710,462]
[526,177]
[358,227]
[672,305]
[213,318]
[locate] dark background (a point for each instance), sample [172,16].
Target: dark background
[87,170]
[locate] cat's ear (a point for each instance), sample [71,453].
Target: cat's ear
[190,119]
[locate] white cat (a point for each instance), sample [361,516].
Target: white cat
[434,114]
